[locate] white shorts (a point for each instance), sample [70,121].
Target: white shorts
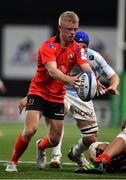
[122,135]
[80,109]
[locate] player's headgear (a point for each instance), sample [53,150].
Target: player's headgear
[82,37]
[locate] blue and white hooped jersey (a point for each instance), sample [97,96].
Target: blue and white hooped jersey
[99,64]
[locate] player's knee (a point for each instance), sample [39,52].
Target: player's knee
[28,133]
[89,133]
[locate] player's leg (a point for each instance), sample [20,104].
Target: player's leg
[57,154]
[119,142]
[88,136]
[52,139]
[55,124]
[95,168]
[33,113]
[85,117]
[23,139]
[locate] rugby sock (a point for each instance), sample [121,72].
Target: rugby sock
[79,148]
[104,157]
[19,148]
[57,149]
[44,143]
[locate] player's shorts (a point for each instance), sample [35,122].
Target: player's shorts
[49,109]
[122,135]
[80,109]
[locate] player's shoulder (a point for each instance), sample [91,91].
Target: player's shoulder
[94,55]
[92,52]
[49,43]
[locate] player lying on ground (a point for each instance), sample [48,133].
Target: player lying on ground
[108,157]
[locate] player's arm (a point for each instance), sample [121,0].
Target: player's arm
[109,73]
[22,104]
[86,67]
[114,82]
[59,75]
[115,148]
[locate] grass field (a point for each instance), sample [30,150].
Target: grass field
[27,167]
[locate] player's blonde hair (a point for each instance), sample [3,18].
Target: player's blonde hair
[68,16]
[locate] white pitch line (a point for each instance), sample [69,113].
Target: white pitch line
[33,162]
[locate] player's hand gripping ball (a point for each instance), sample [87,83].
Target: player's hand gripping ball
[88,86]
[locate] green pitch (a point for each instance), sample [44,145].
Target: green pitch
[27,168]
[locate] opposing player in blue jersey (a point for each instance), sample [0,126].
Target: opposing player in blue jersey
[83,112]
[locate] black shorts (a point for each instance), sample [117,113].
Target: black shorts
[49,109]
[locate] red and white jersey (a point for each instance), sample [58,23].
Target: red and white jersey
[43,84]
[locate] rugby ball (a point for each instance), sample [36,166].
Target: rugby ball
[87,87]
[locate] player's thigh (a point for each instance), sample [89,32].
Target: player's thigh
[82,110]
[54,116]
[32,119]
[84,123]
[34,108]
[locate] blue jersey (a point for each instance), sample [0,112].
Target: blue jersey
[99,64]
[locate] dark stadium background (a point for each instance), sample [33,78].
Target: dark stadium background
[91,13]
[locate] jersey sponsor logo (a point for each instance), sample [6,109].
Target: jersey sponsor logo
[71,56]
[91,57]
[59,114]
[51,45]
